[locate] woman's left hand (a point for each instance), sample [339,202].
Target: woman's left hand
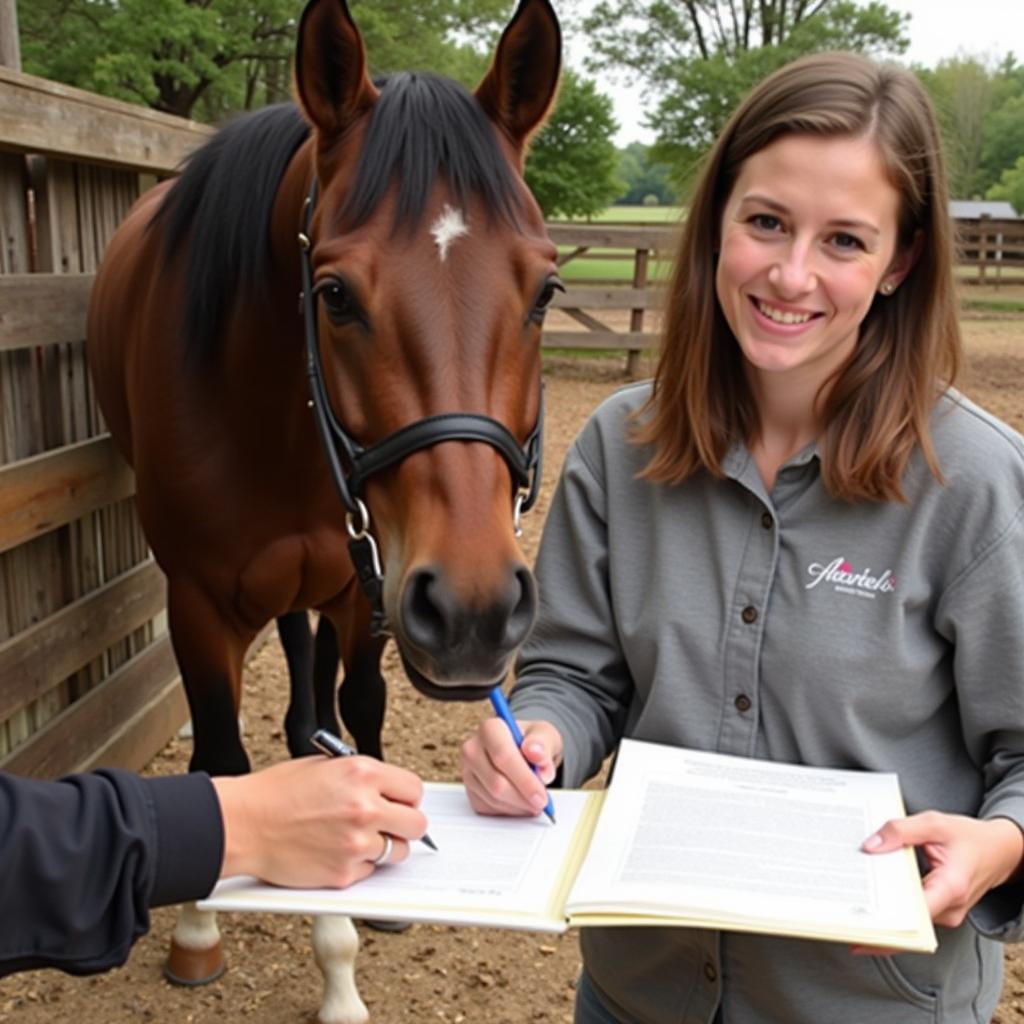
[966,856]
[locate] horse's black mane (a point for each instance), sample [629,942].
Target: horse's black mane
[220,209]
[422,126]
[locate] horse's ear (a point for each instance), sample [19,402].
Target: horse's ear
[518,90]
[330,67]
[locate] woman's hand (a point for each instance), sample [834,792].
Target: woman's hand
[966,856]
[497,777]
[318,822]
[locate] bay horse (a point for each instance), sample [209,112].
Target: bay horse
[319,349]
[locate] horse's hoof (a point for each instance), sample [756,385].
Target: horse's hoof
[186,966]
[386,926]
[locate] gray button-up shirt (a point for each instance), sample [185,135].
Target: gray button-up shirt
[793,626]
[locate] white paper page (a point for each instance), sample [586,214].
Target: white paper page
[691,832]
[496,867]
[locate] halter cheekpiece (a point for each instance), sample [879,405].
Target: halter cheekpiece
[524,462]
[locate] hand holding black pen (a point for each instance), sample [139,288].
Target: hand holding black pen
[329,744]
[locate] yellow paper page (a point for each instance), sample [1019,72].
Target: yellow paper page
[508,872]
[715,841]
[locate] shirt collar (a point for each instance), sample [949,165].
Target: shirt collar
[738,465]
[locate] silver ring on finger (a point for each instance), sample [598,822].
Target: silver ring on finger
[385,856]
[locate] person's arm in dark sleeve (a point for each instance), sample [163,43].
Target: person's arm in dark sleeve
[84,858]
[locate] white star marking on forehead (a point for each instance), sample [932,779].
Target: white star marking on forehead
[449,226]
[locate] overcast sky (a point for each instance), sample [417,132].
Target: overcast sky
[938,29]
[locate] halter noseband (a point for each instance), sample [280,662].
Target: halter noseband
[524,462]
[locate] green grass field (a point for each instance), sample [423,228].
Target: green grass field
[615,271]
[640,215]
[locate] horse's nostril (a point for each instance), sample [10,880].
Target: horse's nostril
[524,610]
[426,613]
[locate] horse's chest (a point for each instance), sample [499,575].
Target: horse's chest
[293,572]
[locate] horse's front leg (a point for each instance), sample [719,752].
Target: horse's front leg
[362,697]
[335,944]
[210,652]
[305,669]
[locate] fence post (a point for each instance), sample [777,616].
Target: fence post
[10,44]
[636,316]
[982,247]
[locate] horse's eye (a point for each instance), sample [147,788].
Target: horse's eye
[341,305]
[543,300]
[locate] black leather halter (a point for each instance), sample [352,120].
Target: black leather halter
[351,464]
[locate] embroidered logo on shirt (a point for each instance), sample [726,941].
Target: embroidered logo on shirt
[845,580]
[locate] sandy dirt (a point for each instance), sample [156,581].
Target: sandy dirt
[428,973]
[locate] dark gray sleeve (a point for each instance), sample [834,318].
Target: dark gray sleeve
[84,858]
[571,671]
[982,613]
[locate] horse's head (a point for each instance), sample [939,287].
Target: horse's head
[432,269]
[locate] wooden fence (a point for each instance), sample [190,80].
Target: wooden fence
[87,675]
[993,248]
[641,245]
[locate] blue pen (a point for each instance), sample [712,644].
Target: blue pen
[504,712]
[329,744]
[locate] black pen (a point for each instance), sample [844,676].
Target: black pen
[329,744]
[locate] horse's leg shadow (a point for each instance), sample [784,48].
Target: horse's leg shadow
[210,652]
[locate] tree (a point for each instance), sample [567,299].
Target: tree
[572,162]
[699,57]
[980,108]
[1011,186]
[1003,140]
[962,93]
[207,58]
[643,177]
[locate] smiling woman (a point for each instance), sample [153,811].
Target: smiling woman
[800,544]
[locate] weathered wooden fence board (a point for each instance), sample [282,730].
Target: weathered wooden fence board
[67,520]
[60,645]
[42,309]
[39,116]
[47,491]
[70,740]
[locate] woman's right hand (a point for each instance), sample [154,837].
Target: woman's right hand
[495,771]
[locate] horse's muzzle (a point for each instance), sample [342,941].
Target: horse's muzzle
[458,651]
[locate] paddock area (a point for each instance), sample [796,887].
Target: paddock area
[427,973]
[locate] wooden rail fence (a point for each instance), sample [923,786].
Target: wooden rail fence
[87,675]
[994,248]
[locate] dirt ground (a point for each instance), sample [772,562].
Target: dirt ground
[428,973]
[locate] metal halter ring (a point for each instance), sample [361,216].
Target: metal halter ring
[517,512]
[389,845]
[364,521]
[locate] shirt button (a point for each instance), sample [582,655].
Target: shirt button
[710,971]
[766,520]
[749,614]
[742,702]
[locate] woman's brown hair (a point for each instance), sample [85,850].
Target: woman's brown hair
[877,407]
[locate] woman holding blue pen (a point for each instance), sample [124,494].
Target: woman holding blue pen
[798,543]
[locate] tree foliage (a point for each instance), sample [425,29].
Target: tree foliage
[572,164]
[1011,186]
[981,113]
[642,177]
[699,57]
[208,58]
